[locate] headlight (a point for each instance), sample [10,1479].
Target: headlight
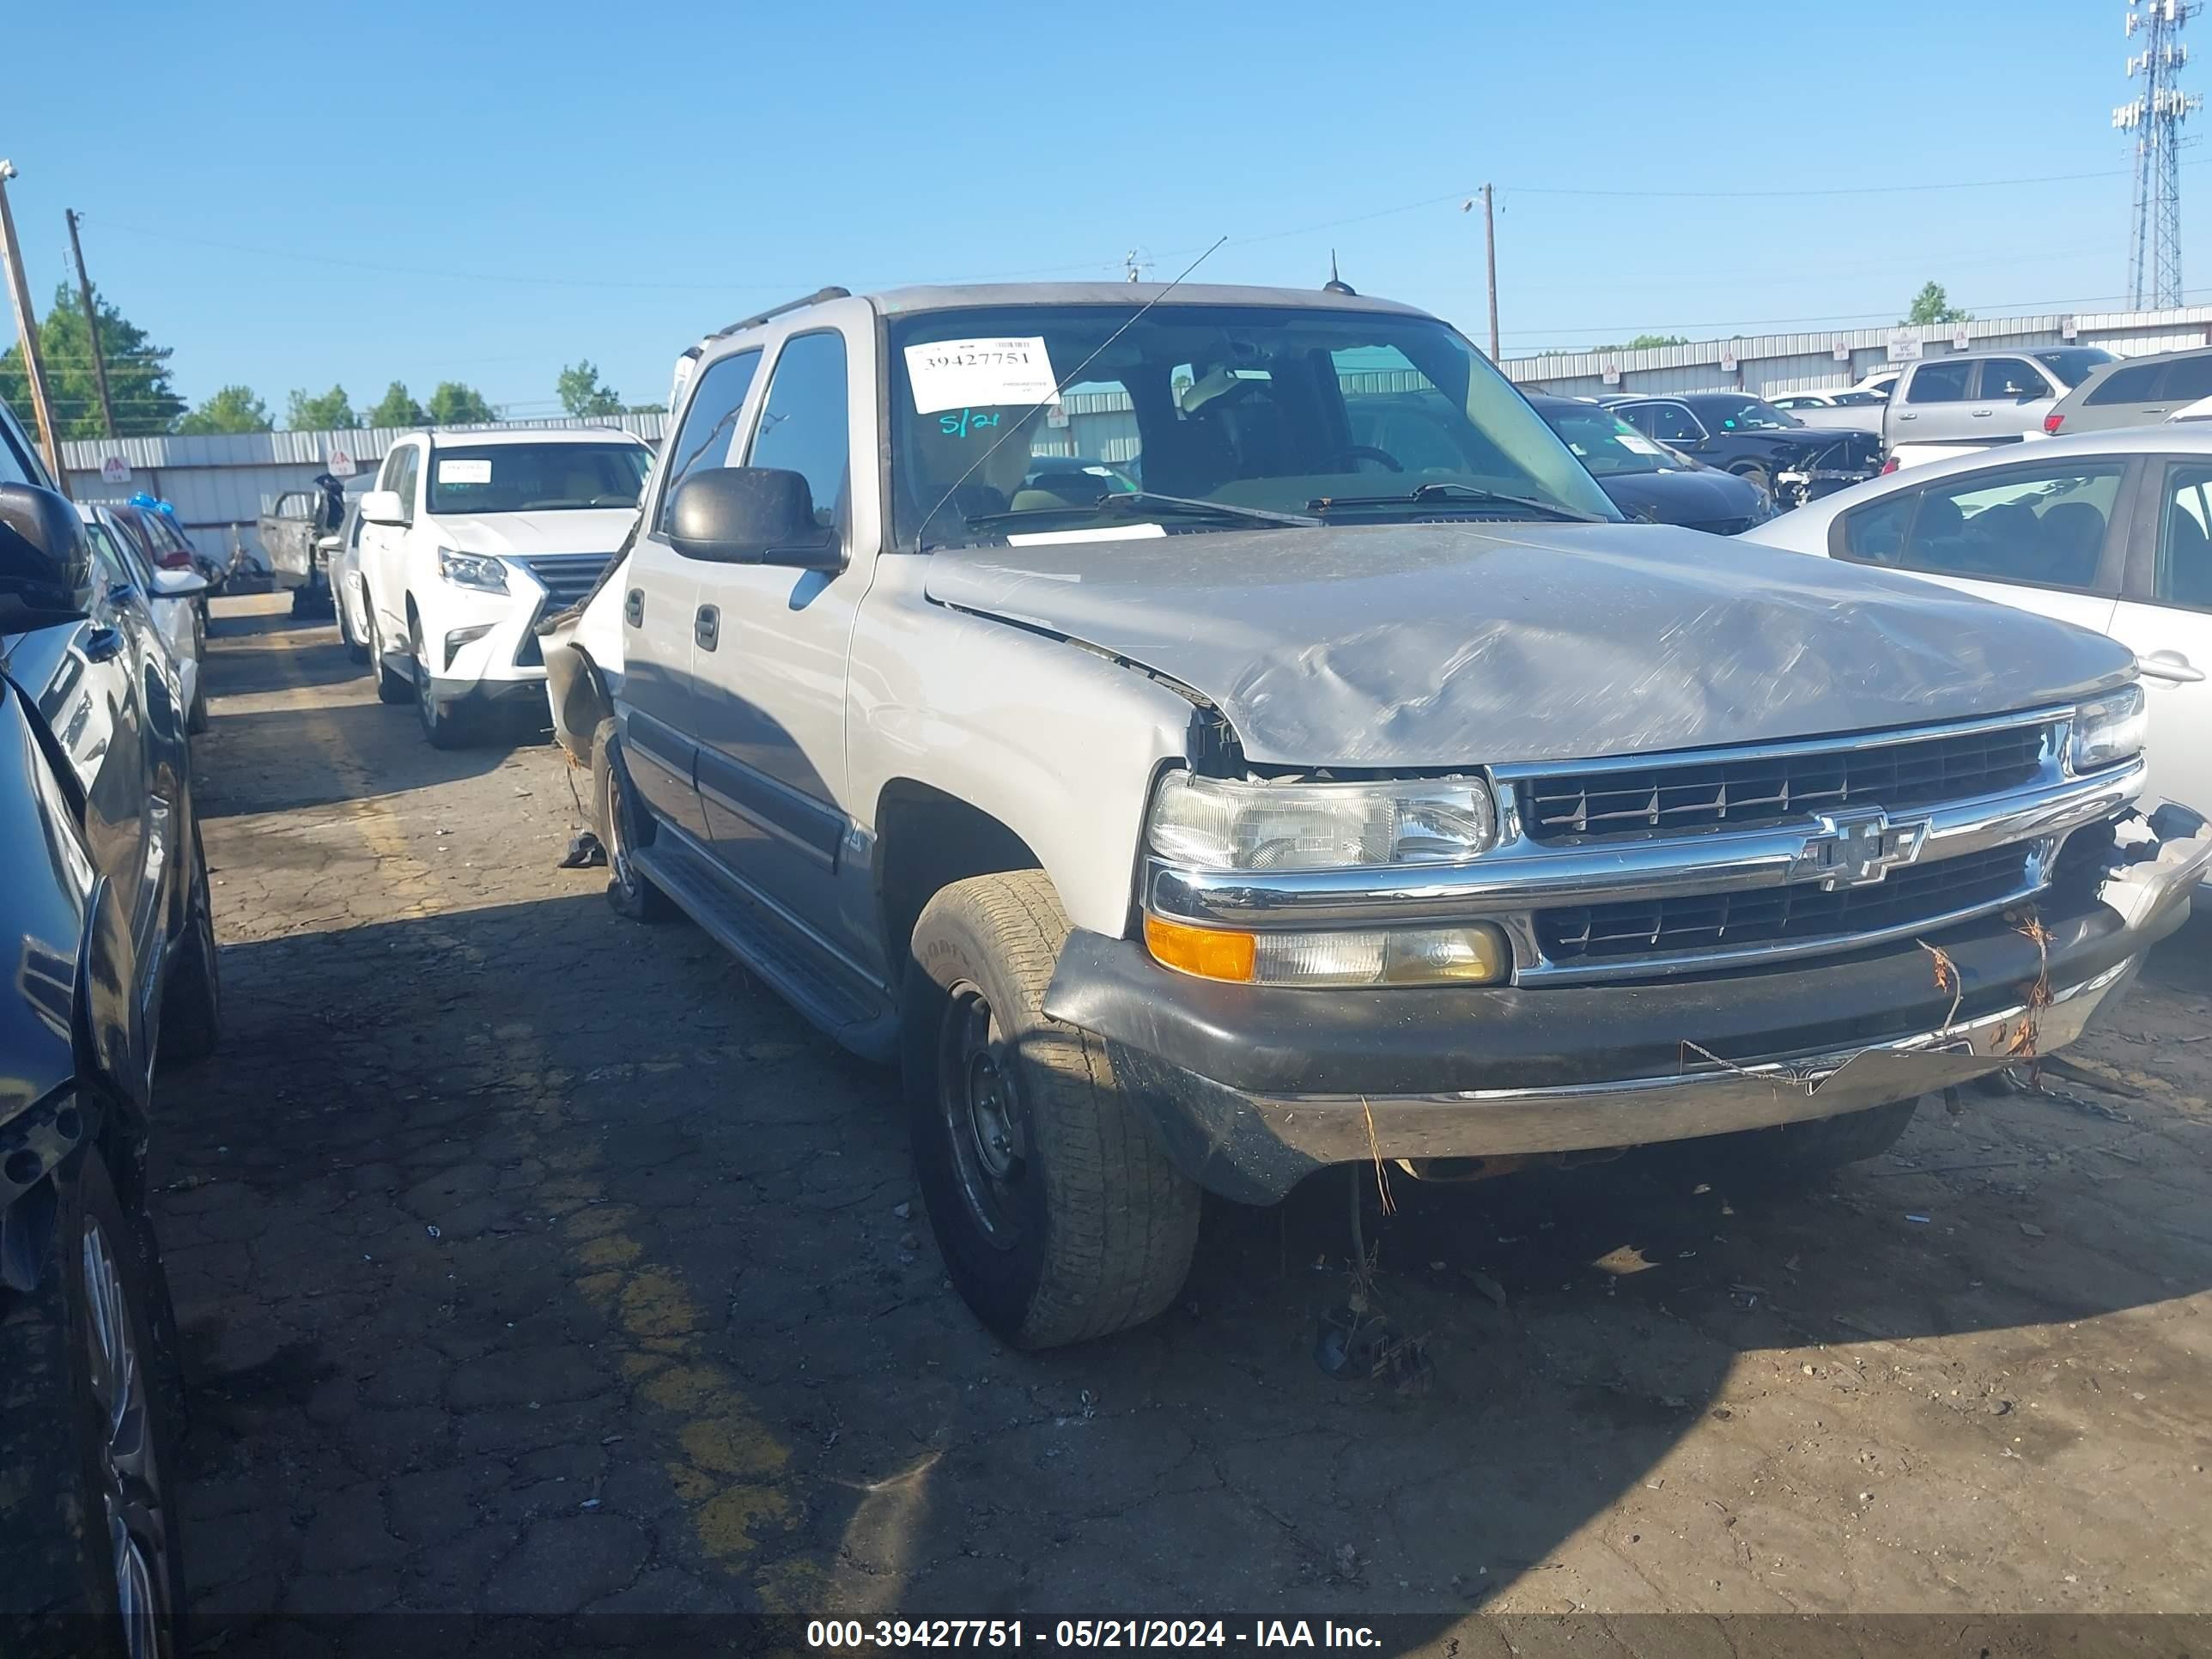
[477,570]
[2109,730]
[1214,823]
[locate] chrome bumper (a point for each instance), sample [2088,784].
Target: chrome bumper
[1707,1096]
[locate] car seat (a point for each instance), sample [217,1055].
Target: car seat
[2069,537]
[2187,575]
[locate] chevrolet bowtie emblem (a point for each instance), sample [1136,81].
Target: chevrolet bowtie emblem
[1857,848]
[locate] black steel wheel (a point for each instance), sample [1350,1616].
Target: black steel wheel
[1059,1217]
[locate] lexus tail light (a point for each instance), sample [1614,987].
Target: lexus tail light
[2052,422]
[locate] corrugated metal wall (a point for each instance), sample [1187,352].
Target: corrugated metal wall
[220,484]
[1771,364]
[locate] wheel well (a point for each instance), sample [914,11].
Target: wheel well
[926,840]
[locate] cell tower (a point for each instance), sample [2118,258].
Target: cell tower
[2154,116]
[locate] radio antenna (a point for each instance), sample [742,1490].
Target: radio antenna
[1064,382]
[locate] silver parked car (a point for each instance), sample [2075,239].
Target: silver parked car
[2134,392]
[1984,397]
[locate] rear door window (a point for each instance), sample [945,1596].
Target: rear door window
[2186,379]
[2135,384]
[2040,526]
[1672,423]
[1939,383]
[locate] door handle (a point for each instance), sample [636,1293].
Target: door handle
[2172,666]
[1984,414]
[634,607]
[2159,408]
[707,627]
[1902,415]
[103,645]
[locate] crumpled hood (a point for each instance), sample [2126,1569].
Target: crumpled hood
[1449,645]
[567,529]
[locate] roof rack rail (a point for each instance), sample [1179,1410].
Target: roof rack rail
[813,299]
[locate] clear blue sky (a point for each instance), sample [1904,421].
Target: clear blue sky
[563,180]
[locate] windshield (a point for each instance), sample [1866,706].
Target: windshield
[1220,407]
[536,477]
[1752,414]
[1605,444]
[2073,364]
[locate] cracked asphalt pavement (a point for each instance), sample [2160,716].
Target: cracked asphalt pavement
[531,1259]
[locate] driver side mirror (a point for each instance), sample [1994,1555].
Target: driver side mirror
[751,515]
[383,506]
[46,563]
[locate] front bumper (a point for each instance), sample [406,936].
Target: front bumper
[1252,1088]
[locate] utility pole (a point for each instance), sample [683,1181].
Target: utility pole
[1489,254]
[27,329]
[91,323]
[1489,257]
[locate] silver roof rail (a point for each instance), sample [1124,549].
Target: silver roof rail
[813,299]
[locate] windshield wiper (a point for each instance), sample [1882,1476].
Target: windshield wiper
[1144,501]
[1424,494]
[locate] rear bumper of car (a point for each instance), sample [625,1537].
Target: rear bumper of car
[1250,1089]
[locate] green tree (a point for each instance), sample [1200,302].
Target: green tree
[454,404]
[582,392]
[1647,343]
[329,412]
[231,409]
[397,407]
[138,372]
[644,409]
[1933,305]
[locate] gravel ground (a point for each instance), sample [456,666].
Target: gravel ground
[531,1259]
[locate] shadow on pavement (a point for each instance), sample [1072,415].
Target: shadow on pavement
[536,1260]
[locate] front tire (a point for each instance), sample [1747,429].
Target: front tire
[1752,472]
[354,649]
[1059,1217]
[622,824]
[390,688]
[192,1000]
[442,726]
[89,1528]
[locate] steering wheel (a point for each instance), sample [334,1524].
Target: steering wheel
[1368,452]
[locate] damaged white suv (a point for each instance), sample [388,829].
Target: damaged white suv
[1208,735]
[467,540]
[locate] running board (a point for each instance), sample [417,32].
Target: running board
[844,1005]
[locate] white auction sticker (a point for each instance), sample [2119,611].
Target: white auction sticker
[464,471]
[1641,446]
[985,373]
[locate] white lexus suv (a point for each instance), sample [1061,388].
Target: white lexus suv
[468,538]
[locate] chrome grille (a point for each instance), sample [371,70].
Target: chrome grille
[1909,897]
[567,577]
[1736,793]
